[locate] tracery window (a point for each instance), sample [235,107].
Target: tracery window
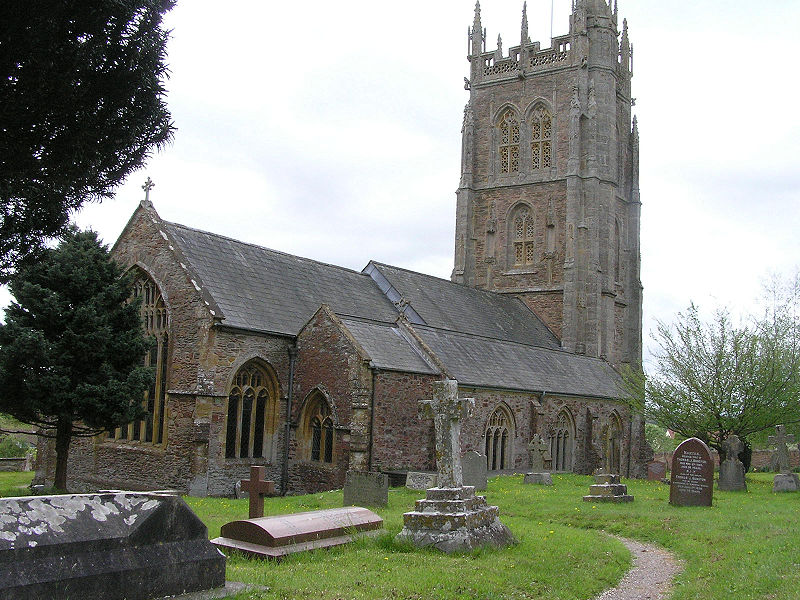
[509,142]
[252,413]
[317,433]
[562,442]
[498,438]
[154,319]
[541,139]
[522,236]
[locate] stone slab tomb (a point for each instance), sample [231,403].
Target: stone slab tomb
[692,480]
[731,471]
[275,537]
[114,546]
[366,488]
[607,488]
[451,517]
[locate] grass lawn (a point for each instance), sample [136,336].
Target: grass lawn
[745,546]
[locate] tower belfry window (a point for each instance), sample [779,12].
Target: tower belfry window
[523,234]
[541,139]
[509,142]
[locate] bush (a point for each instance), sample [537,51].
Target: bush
[13,447]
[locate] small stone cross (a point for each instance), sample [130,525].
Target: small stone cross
[779,440]
[733,447]
[148,185]
[258,487]
[447,409]
[537,450]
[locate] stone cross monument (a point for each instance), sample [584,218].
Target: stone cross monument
[785,480]
[538,453]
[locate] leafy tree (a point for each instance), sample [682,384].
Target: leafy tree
[82,104]
[658,439]
[72,348]
[713,379]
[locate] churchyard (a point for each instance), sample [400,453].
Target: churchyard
[744,546]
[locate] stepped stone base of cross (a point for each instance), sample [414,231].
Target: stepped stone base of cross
[452,518]
[607,488]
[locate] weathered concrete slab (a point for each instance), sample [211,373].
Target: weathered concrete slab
[115,546]
[421,480]
[607,488]
[363,488]
[275,537]
[538,479]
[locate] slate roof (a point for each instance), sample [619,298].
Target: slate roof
[446,305]
[486,362]
[264,290]
[387,348]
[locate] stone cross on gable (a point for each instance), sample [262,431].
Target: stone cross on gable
[537,450]
[779,440]
[258,487]
[148,185]
[733,447]
[447,410]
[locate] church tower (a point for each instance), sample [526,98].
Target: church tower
[548,203]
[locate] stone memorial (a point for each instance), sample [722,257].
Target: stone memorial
[258,487]
[656,470]
[607,487]
[280,535]
[474,470]
[420,480]
[785,480]
[452,518]
[366,488]
[692,480]
[538,453]
[114,546]
[731,471]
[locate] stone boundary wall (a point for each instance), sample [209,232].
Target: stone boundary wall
[22,463]
[761,458]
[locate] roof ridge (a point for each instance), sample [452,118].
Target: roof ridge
[260,247]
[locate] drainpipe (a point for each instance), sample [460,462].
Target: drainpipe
[286,436]
[371,416]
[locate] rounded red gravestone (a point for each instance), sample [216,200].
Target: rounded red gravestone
[692,478]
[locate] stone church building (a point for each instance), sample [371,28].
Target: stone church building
[266,358]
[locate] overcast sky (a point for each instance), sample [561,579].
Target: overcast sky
[331,130]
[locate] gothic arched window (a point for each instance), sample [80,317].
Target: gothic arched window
[316,435]
[509,142]
[522,237]
[562,442]
[498,438]
[154,320]
[541,139]
[252,413]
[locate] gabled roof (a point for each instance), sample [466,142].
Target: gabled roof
[446,305]
[387,347]
[265,290]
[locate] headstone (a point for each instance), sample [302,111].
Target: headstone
[474,470]
[692,480]
[115,546]
[608,488]
[452,518]
[258,487]
[785,480]
[280,535]
[420,480]
[362,488]
[731,471]
[656,470]
[538,453]
[538,478]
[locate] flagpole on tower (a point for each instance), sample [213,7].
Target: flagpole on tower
[551,19]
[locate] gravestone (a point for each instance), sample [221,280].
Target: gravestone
[258,487]
[474,470]
[731,471]
[366,488]
[656,470]
[420,480]
[538,454]
[692,480]
[280,535]
[785,480]
[607,487]
[114,546]
[452,518]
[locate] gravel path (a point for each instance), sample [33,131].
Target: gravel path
[650,577]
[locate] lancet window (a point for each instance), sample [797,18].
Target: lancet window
[541,139]
[562,442]
[252,413]
[522,237]
[509,142]
[153,311]
[317,434]
[499,435]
